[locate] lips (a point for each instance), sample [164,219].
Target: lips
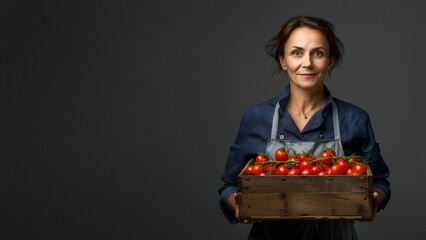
[307,75]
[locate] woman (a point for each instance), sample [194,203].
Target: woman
[305,112]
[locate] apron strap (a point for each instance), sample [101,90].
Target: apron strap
[335,121]
[274,128]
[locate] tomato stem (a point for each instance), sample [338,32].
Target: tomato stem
[359,159]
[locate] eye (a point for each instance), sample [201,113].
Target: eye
[318,54]
[296,53]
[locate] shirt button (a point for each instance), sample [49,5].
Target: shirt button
[321,136]
[281,137]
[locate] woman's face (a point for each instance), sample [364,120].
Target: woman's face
[306,57]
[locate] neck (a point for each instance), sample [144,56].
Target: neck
[304,102]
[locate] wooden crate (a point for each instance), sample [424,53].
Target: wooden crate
[305,197]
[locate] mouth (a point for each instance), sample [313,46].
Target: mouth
[308,75]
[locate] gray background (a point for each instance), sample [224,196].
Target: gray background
[117,116]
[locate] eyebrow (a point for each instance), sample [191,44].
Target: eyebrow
[297,47]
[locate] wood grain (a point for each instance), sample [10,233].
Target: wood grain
[305,197]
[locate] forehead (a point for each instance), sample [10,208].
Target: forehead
[307,38]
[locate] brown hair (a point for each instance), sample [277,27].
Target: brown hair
[275,47]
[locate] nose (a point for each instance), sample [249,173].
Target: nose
[307,61]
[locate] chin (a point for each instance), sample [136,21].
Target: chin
[309,84]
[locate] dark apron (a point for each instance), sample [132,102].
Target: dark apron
[304,229]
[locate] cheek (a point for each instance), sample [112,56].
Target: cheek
[323,66]
[292,65]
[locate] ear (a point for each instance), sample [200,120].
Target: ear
[282,62]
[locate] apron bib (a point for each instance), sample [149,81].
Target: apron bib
[304,229]
[314,147]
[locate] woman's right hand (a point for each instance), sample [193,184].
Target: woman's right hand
[233,205]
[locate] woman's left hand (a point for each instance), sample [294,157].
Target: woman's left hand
[378,197]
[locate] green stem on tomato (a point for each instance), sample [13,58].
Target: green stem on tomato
[345,158]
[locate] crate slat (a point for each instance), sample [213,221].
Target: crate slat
[289,184]
[305,197]
[305,205]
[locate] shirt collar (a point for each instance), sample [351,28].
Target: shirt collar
[283,97]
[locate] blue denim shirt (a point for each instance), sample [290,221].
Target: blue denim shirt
[255,129]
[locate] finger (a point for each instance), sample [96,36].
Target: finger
[237,208]
[235,195]
[376,204]
[250,221]
[374,210]
[376,198]
[237,213]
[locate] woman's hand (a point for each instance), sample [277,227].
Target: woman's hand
[233,205]
[378,197]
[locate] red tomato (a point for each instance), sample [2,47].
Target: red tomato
[262,157]
[351,171]
[322,166]
[336,170]
[307,171]
[281,155]
[323,173]
[305,165]
[257,169]
[343,163]
[360,168]
[312,157]
[297,165]
[271,170]
[352,160]
[262,174]
[332,152]
[326,155]
[282,170]
[316,170]
[294,171]
[249,170]
[293,158]
[302,157]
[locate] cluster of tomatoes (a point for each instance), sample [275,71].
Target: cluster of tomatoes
[307,164]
